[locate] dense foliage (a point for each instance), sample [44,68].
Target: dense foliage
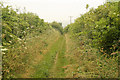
[17,28]
[100,26]
[57,26]
[16,25]
[25,36]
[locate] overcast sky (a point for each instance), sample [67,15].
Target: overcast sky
[55,10]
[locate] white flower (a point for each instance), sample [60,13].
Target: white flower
[28,28]
[3,53]
[114,13]
[19,39]
[11,36]
[4,49]
[10,41]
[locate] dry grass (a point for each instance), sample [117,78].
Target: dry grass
[86,62]
[24,55]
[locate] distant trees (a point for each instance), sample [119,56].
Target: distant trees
[66,29]
[57,26]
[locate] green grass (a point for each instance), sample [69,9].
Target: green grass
[20,57]
[58,71]
[60,56]
[44,67]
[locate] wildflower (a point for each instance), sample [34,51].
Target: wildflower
[4,49]
[114,13]
[11,36]
[3,53]
[10,41]
[19,39]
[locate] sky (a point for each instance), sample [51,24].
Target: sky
[55,10]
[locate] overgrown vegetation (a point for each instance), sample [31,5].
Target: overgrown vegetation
[95,43]
[100,26]
[87,62]
[17,29]
[87,48]
[16,25]
[57,26]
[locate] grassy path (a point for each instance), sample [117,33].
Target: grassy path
[50,57]
[36,48]
[52,62]
[60,61]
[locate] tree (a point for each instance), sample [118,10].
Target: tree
[57,26]
[87,6]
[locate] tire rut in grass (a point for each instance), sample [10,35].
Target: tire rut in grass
[57,71]
[30,70]
[43,67]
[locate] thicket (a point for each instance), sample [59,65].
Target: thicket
[101,26]
[57,26]
[16,27]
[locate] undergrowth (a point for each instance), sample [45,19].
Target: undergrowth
[87,62]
